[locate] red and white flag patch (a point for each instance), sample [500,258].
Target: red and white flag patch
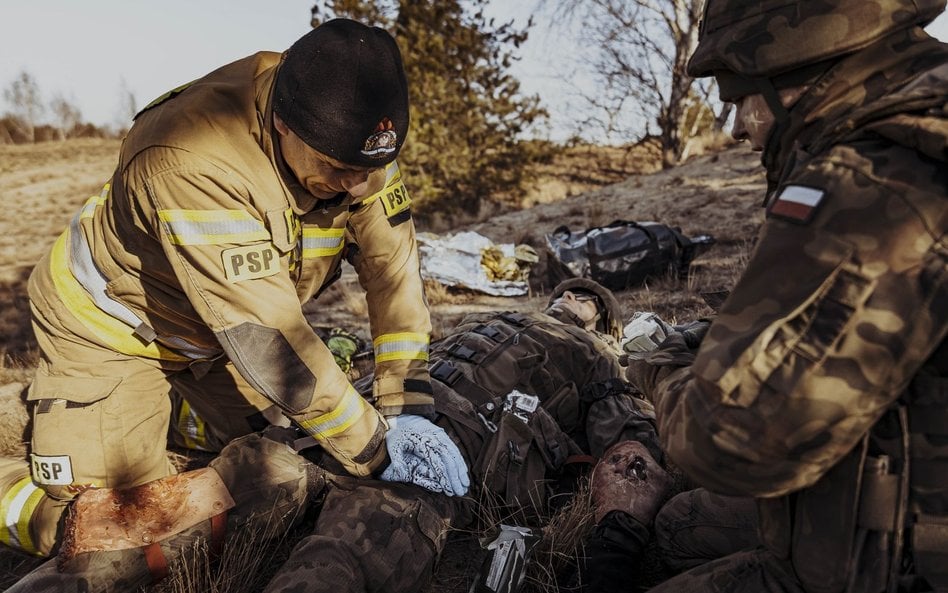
[797,203]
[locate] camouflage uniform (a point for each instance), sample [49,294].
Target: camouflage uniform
[821,386]
[188,272]
[375,536]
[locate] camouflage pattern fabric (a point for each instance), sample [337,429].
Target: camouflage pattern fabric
[554,358]
[754,38]
[371,536]
[380,536]
[697,526]
[840,310]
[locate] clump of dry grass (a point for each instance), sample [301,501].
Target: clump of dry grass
[245,563]
[13,419]
[562,548]
[565,525]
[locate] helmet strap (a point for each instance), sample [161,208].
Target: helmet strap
[769,92]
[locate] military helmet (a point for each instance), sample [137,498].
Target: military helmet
[756,39]
[610,313]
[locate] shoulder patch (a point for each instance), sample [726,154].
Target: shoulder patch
[395,199]
[250,262]
[796,203]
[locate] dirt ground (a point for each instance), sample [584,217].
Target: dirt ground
[42,187]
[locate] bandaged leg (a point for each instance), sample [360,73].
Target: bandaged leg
[120,539]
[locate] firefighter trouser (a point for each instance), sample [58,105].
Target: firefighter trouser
[698,526]
[101,419]
[372,536]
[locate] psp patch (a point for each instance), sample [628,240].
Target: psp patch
[796,203]
[395,199]
[51,470]
[250,262]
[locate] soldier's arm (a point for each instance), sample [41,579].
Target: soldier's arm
[385,255]
[834,314]
[238,283]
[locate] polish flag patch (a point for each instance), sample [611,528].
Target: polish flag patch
[796,203]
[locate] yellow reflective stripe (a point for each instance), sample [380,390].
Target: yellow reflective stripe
[401,346]
[113,332]
[16,509]
[211,227]
[349,409]
[88,209]
[95,201]
[192,428]
[322,242]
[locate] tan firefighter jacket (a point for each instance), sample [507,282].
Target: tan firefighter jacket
[201,246]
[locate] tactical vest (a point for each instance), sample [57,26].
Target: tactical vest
[515,390]
[878,520]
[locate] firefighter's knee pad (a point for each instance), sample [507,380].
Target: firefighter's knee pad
[271,484]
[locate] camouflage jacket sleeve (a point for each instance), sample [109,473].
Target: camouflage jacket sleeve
[239,285]
[842,301]
[385,255]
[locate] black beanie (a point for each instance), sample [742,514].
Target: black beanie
[341,88]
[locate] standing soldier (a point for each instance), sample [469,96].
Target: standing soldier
[822,386]
[235,198]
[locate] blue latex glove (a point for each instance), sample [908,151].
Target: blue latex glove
[421,453]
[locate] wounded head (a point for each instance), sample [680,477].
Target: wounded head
[628,479]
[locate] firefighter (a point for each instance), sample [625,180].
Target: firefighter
[235,199]
[820,387]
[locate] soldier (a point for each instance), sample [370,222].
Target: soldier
[820,388]
[526,397]
[234,201]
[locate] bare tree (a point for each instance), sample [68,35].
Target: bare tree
[637,51]
[24,96]
[66,115]
[127,107]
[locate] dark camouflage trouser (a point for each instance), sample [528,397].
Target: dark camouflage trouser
[698,526]
[371,536]
[714,538]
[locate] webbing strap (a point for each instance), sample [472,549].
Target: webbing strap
[156,561]
[218,530]
[878,501]
[583,459]
[452,376]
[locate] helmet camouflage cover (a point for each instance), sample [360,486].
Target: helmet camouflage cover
[765,38]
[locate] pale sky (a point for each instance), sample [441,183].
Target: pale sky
[90,50]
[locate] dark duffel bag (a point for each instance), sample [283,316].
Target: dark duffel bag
[623,253]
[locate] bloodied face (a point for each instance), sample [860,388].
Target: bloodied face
[628,479]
